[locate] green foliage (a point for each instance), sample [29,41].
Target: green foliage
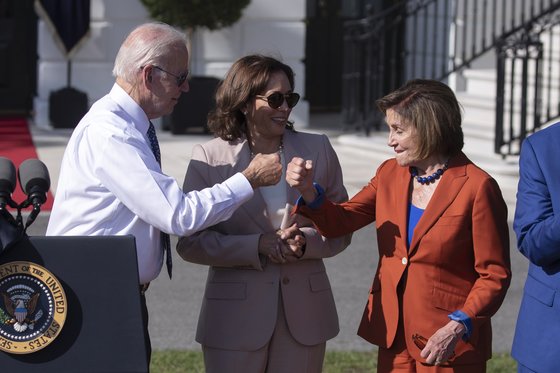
[501,363]
[350,362]
[212,14]
[175,361]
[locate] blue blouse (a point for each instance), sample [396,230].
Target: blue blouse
[414,215]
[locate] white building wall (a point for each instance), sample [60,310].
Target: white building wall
[267,26]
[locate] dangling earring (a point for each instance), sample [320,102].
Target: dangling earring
[245,113]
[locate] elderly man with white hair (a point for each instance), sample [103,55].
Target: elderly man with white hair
[111,181]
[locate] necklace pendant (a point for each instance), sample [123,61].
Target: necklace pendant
[280,150]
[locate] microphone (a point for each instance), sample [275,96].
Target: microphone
[35,182]
[7,186]
[7,180]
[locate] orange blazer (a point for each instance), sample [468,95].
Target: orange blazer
[458,258]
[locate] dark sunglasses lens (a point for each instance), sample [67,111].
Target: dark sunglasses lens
[275,100]
[292,99]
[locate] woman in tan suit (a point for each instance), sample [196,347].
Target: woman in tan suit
[268,304]
[442,235]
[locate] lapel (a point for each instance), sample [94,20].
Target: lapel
[254,208]
[295,148]
[446,191]
[397,191]
[401,201]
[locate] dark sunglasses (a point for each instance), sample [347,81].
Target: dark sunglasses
[420,342]
[276,99]
[180,79]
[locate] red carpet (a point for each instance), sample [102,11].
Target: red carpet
[16,144]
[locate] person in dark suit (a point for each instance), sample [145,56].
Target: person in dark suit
[537,226]
[268,305]
[442,235]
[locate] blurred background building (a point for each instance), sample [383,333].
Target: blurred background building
[501,57]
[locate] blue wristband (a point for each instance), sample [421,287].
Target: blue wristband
[317,202]
[464,319]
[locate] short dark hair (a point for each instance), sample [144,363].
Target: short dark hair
[433,110]
[247,77]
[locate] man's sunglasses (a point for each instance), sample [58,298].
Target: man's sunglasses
[420,342]
[180,79]
[276,99]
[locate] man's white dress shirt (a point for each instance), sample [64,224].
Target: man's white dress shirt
[111,184]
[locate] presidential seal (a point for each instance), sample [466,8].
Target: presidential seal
[33,307]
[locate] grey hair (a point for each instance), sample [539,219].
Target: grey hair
[146,44]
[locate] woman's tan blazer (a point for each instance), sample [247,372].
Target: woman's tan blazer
[240,304]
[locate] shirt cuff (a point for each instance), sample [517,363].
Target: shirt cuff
[240,186]
[464,319]
[317,202]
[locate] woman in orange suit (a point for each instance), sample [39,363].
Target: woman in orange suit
[442,234]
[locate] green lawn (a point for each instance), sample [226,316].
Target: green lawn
[171,361]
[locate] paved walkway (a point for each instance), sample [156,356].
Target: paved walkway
[174,305]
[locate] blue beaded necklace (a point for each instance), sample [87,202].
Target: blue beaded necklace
[428,179]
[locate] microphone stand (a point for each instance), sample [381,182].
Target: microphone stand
[17,222]
[12,230]
[32,215]
[30,201]
[6,214]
